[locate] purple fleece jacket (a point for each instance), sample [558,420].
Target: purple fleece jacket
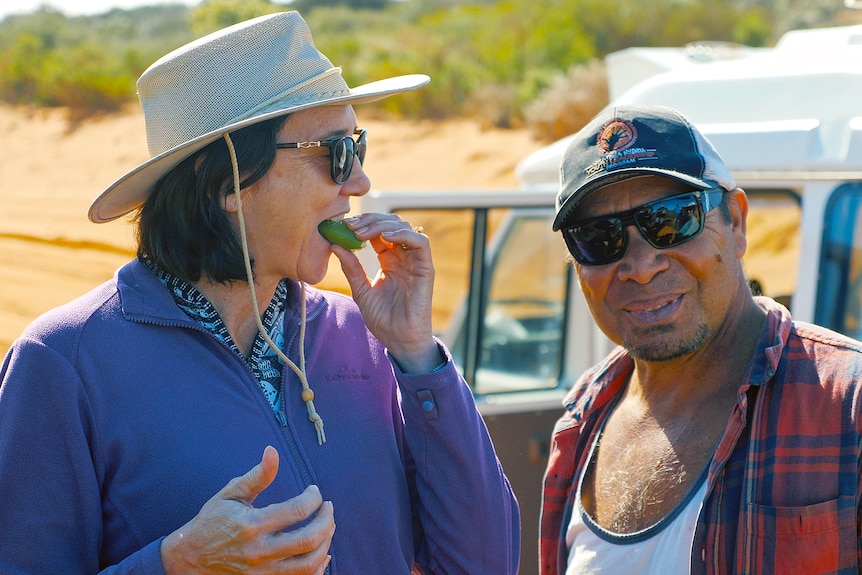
[120,417]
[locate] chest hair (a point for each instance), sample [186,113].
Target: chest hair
[642,469]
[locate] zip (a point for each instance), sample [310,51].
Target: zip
[293,447]
[280,416]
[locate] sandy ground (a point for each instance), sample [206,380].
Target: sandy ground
[50,171]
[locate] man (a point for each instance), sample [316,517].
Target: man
[720,436]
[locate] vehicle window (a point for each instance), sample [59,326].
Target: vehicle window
[839,287]
[451,233]
[510,309]
[522,332]
[772,257]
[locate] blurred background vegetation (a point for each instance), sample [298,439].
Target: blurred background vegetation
[506,63]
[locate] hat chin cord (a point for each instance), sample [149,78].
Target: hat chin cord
[307,393]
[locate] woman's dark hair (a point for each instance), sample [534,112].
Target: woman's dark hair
[182,226]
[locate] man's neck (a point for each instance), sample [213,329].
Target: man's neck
[664,430]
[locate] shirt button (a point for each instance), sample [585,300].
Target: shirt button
[427,405]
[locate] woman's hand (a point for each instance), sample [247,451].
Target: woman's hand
[396,305]
[228,535]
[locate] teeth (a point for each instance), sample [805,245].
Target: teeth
[655,307]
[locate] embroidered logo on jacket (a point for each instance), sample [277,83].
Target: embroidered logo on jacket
[347,373]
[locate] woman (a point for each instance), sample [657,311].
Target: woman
[183,418]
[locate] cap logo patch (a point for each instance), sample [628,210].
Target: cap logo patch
[615,141]
[616,136]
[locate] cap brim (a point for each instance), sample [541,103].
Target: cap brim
[131,190]
[568,207]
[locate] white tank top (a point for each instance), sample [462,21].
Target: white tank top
[661,549]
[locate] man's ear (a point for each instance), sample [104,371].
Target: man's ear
[737,204]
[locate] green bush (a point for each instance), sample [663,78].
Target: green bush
[569,102]
[87,64]
[504,62]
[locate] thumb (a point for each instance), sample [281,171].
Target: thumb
[247,487]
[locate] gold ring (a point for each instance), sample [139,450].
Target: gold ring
[419,229]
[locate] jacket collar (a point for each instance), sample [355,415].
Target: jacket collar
[144,298]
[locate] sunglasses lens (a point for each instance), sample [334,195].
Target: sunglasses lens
[595,242]
[341,159]
[341,154]
[670,221]
[362,146]
[663,223]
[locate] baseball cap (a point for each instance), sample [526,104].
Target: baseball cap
[624,142]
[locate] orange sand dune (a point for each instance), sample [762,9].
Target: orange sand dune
[51,171]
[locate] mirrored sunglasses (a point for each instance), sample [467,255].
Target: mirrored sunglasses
[342,151]
[663,223]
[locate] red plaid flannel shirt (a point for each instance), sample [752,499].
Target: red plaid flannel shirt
[783,491]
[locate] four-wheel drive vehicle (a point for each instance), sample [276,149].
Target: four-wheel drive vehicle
[788,121]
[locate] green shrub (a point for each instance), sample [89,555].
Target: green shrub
[500,61]
[569,102]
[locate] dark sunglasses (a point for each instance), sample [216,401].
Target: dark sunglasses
[342,151]
[663,223]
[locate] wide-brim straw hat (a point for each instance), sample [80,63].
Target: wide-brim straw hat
[247,73]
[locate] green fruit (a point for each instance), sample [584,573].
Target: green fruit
[338,233]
